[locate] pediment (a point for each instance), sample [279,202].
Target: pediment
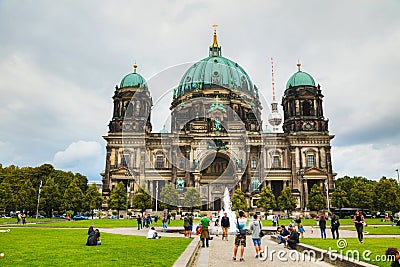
[314,171]
[120,171]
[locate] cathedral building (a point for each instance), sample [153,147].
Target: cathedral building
[216,140]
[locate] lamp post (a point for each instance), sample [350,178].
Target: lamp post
[327,195]
[38,199]
[156,196]
[301,174]
[398,179]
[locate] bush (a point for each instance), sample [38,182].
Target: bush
[347,217]
[129,213]
[115,213]
[251,214]
[313,215]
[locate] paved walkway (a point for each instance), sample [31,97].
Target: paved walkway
[220,252]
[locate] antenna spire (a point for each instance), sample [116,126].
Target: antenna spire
[273,80]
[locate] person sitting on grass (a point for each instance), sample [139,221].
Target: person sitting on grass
[394,255]
[97,234]
[292,239]
[152,234]
[93,238]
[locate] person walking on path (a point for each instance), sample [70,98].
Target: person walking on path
[255,228]
[164,223]
[216,226]
[301,230]
[335,227]
[358,220]
[186,225]
[240,238]
[322,226]
[205,234]
[139,222]
[225,224]
[190,225]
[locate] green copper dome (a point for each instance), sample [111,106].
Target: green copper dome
[215,72]
[133,80]
[300,78]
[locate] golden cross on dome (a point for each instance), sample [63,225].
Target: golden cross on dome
[215,27]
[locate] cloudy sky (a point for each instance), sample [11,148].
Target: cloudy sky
[60,62]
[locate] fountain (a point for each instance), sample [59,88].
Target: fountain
[228,209]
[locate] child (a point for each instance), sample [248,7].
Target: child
[97,233]
[301,230]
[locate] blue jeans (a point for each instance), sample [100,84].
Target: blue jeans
[281,240]
[323,233]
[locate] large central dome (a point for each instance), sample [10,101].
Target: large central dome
[215,71]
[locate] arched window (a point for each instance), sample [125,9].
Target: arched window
[310,160]
[275,162]
[159,162]
[125,160]
[307,108]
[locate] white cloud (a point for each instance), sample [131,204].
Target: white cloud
[368,160]
[85,157]
[59,67]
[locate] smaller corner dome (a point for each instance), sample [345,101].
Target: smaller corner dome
[300,78]
[133,80]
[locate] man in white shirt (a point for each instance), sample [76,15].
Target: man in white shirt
[152,234]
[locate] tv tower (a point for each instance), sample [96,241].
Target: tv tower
[274,118]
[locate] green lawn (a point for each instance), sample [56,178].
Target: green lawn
[99,223]
[66,247]
[377,246]
[313,222]
[108,223]
[377,230]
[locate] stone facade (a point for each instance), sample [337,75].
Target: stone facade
[216,141]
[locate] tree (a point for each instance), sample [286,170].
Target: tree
[316,199]
[386,195]
[267,199]
[93,198]
[118,198]
[6,198]
[192,199]
[50,196]
[169,197]
[73,197]
[142,200]
[339,199]
[26,198]
[238,200]
[361,195]
[286,201]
